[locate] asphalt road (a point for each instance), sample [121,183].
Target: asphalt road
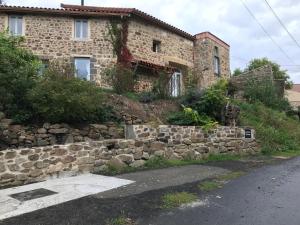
[269,195]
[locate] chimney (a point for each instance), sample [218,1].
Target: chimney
[82,2]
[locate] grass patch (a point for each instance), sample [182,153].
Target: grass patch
[173,200]
[209,185]
[230,176]
[288,154]
[275,131]
[119,221]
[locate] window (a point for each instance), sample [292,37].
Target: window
[83,68]
[217,68]
[175,84]
[81,29]
[44,66]
[15,24]
[156,46]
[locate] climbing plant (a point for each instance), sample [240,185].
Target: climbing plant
[118,34]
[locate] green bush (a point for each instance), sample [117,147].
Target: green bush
[209,102]
[122,78]
[266,93]
[190,117]
[147,97]
[18,72]
[60,98]
[160,87]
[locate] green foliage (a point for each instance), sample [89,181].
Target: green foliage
[18,71]
[237,72]
[115,36]
[210,102]
[60,98]
[266,93]
[209,185]
[173,200]
[160,87]
[147,97]
[277,71]
[122,78]
[192,80]
[274,130]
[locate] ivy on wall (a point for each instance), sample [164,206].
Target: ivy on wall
[118,33]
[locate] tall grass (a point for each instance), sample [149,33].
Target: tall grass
[274,130]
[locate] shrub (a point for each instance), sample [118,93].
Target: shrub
[161,85]
[209,102]
[147,97]
[122,78]
[266,93]
[18,72]
[60,98]
[190,117]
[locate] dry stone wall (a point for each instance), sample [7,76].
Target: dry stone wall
[19,136]
[21,166]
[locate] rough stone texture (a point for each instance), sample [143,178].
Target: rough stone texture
[13,136]
[37,163]
[52,38]
[255,76]
[204,55]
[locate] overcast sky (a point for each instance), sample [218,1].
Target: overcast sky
[228,19]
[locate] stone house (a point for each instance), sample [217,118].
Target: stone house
[79,35]
[293,95]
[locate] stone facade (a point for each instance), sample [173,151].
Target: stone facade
[49,34]
[21,166]
[205,46]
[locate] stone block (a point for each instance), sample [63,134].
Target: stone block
[116,163]
[138,163]
[10,155]
[127,158]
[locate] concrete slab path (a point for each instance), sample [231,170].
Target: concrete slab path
[24,199]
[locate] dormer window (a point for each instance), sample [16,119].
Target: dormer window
[81,29]
[15,25]
[217,67]
[156,46]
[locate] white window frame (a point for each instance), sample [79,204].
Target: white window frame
[175,84]
[88,77]
[14,30]
[81,37]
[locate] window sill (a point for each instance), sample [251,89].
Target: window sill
[82,40]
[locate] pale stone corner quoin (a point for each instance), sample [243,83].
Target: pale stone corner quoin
[50,34]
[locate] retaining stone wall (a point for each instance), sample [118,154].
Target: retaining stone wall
[21,166]
[19,136]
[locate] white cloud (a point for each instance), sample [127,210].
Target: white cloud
[227,19]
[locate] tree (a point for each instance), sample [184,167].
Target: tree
[18,71]
[237,71]
[277,71]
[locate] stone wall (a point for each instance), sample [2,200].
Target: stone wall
[174,48]
[18,136]
[257,76]
[21,166]
[204,59]
[52,38]
[185,134]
